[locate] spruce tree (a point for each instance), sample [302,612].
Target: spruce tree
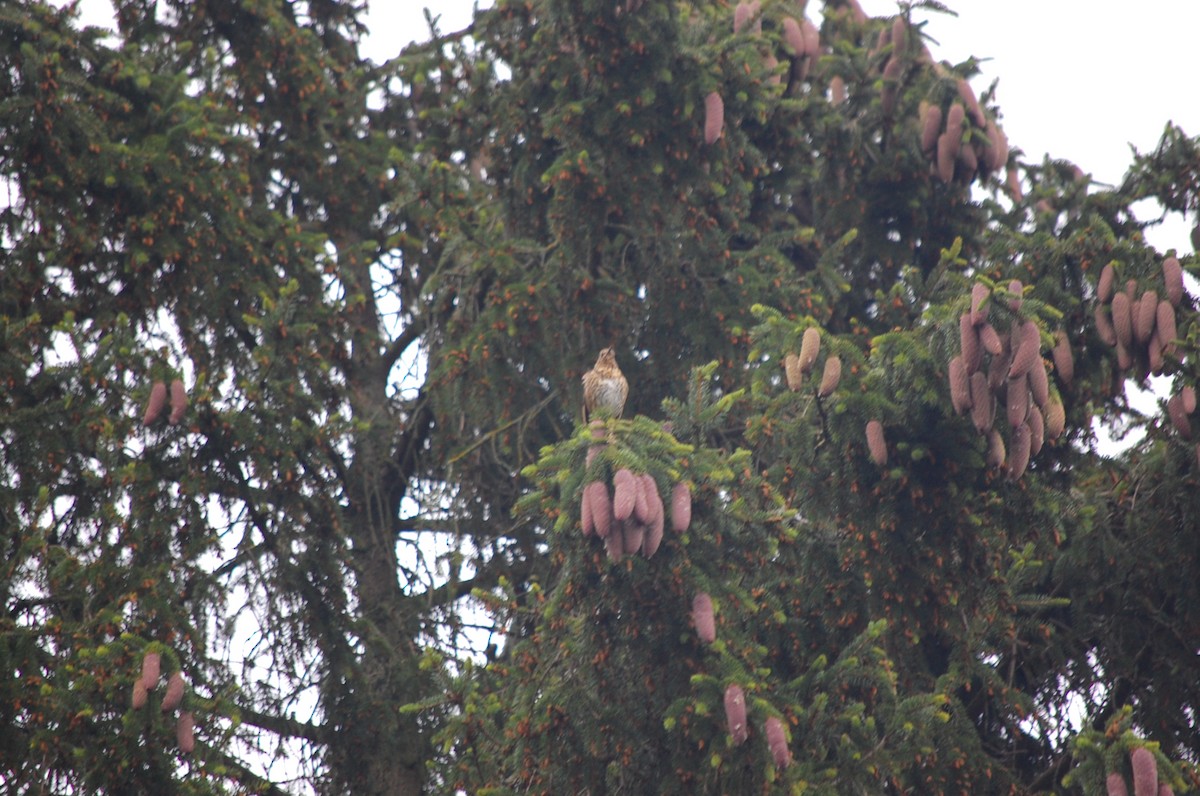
[905,554]
[293,341]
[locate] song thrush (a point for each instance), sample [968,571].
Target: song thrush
[604,386]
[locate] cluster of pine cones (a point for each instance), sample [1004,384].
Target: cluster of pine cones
[1140,326]
[157,402]
[984,150]
[631,517]
[796,367]
[1015,375]
[802,45]
[185,725]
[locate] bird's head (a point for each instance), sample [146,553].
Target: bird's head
[607,357]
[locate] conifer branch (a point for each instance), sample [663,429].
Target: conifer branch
[288,728]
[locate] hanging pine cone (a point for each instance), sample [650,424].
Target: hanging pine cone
[777,742]
[735,714]
[960,386]
[1056,418]
[1064,358]
[151,670]
[681,507]
[810,347]
[1104,285]
[979,307]
[1172,273]
[792,372]
[1122,319]
[1144,314]
[185,732]
[179,402]
[831,376]
[600,508]
[155,404]
[1104,325]
[714,117]
[1018,454]
[876,444]
[1145,772]
[625,490]
[174,693]
[703,618]
[1179,416]
[1026,343]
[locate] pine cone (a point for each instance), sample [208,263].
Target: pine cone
[735,714]
[1104,285]
[1064,358]
[960,386]
[996,453]
[1017,400]
[185,732]
[1037,430]
[1039,383]
[810,348]
[1172,273]
[1122,318]
[151,670]
[1026,343]
[600,505]
[777,742]
[702,618]
[930,117]
[831,376]
[793,38]
[968,340]
[792,373]
[1179,417]
[876,443]
[983,404]
[179,402]
[174,693]
[1104,325]
[979,307]
[714,117]
[1056,418]
[681,507]
[155,404]
[1018,454]
[1144,314]
[140,694]
[1016,294]
[1145,772]
[1164,322]
[989,338]
[625,489]
[586,523]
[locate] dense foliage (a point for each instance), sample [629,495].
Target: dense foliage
[290,347]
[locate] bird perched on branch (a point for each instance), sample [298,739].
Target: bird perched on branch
[604,386]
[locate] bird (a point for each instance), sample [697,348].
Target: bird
[604,386]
